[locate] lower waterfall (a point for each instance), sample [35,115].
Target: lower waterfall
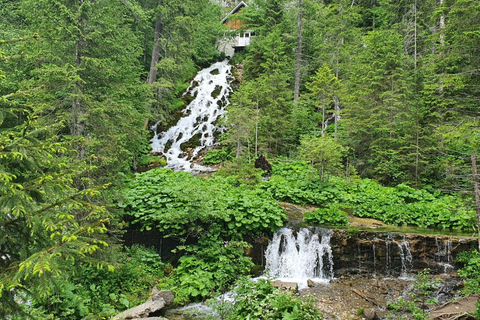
[300,255]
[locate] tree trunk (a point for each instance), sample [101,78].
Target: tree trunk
[152,75]
[296,93]
[336,115]
[476,189]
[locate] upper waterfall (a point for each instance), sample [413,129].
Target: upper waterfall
[210,89]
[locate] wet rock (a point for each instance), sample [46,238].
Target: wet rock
[310,283]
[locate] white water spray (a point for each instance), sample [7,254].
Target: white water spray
[211,88]
[299,256]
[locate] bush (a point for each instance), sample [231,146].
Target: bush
[208,267]
[180,204]
[331,215]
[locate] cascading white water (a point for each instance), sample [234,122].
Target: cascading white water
[443,257]
[406,257]
[211,88]
[299,256]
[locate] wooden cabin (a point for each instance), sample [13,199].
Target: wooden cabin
[237,37]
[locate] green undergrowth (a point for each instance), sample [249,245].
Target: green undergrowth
[90,292]
[297,182]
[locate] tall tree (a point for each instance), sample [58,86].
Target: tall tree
[84,70]
[47,222]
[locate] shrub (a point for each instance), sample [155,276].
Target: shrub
[331,215]
[180,204]
[208,267]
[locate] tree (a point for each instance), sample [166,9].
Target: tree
[84,70]
[378,105]
[327,88]
[47,222]
[323,153]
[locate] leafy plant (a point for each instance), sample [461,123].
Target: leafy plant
[102,292]
[208,267]
[180,204]
[331,215]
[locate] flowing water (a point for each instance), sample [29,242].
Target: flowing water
[443,257]
[406,258]
[210,89]
[297,256]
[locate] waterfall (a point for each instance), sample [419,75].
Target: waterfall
[210,89]
[299,256]
[443,257]
[388,261]
[405,256]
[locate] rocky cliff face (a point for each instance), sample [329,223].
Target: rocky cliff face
[395,254]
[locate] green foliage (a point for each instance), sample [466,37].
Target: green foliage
[404,205]
[401,205]
[209,267]
[100,292]
[332,215]
[180,204]
[146,160]
[241,171]
[418,300]
[261,301]
[324,153]
[48,212]
[217,156]
[470,270]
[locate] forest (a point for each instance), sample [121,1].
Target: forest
[363,107]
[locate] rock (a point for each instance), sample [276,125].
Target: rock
[167,296]
[263,163]
[285,285]
[310,283]
[370,314]
[157,301]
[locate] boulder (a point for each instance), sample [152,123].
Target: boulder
[310,283]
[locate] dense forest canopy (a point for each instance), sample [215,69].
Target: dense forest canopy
[381,89]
